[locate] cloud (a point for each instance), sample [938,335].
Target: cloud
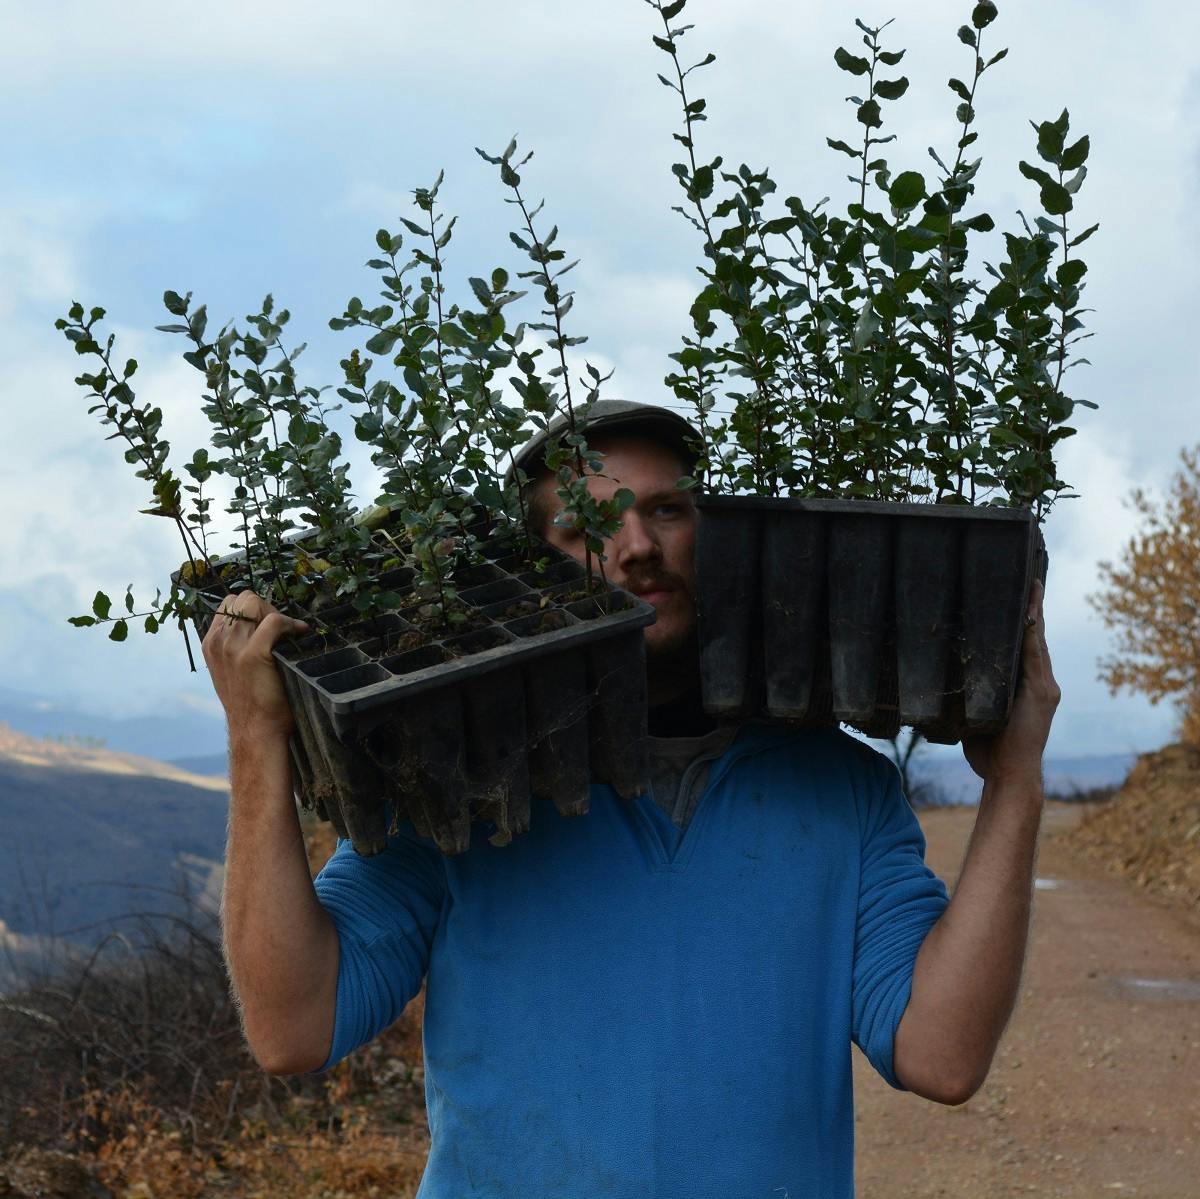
[225,145]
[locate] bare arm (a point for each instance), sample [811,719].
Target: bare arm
[968,970]
[280,945]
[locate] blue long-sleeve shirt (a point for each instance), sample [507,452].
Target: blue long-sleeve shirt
[614,1010]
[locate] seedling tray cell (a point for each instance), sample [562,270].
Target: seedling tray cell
[874,614]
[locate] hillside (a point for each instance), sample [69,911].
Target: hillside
[92,837]
[1149,832]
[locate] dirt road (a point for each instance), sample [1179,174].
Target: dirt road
[1096,1089]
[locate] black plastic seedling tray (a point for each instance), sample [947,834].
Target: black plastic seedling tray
[873,614]
[543,692]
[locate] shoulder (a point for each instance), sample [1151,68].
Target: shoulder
[829,750]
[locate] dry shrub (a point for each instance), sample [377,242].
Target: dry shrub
[133,1062]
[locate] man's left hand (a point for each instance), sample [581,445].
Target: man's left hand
[1016,751]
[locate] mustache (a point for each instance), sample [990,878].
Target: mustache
[660,581]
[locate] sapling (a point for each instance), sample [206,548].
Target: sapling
[567,456]
[878,367]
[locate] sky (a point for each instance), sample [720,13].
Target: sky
[237,149]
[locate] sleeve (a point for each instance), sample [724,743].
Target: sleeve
[386,910]
[899,901]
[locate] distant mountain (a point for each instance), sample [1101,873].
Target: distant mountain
[210,765]
[159,736]
[949,780]
[96,842]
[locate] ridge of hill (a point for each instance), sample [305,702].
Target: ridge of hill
[170,730]
[1149,832]
[83,755]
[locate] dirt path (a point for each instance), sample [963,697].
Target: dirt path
[1096,1088]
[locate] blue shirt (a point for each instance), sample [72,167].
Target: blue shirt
[609,1013]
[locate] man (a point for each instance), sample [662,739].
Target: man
[658,998]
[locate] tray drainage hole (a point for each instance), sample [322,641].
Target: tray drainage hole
[414,660]
[341,659]
[474,643]
[549,621]
[354,678]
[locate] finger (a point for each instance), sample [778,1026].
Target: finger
[244,611]
[271,628]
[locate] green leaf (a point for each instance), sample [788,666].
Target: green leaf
[985,13]
[151,624]
[868,114]
[1071,272]
[664,44]
[129,599]
[1050,142]
[891,89]
[623,498]
[959,89]
[850,62]
[119,631]
[1074,156]
[907,190]
[966,35]
[101,605]
[845,149]
[1038,175]
[1056,200]
[891,57]
[81,622]
[1076,181]
[671,11]
[174,303]
[382,342]
[1078,241]
[982,223]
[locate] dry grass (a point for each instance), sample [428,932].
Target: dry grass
[127,1076]
[1149,832]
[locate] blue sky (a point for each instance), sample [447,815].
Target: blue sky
[235,149]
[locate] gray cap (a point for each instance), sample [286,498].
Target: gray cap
[611,416]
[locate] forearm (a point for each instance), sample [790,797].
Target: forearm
[280,944]
[968,970]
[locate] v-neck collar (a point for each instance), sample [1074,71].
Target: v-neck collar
[660,859]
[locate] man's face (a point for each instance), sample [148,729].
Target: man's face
[653,555]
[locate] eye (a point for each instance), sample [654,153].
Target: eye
[671,508]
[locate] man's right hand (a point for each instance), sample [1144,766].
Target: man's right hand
[237,649]
[281,945]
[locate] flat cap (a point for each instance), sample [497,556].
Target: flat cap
[613,416]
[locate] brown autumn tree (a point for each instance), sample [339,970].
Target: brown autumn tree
[1151,599]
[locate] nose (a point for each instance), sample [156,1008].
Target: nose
[635,545]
